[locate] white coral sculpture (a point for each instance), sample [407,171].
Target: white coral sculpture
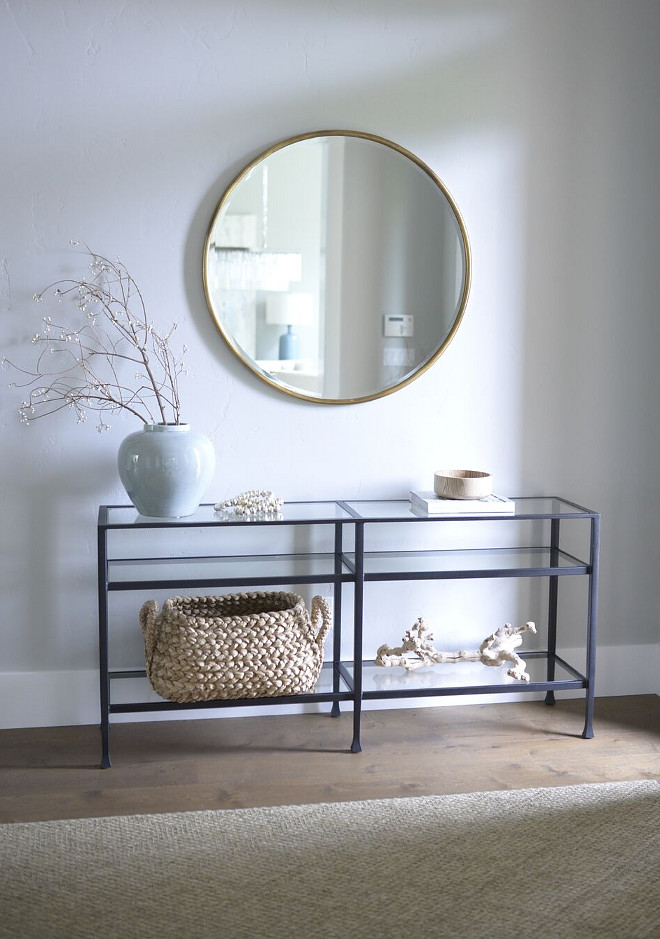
[417,649]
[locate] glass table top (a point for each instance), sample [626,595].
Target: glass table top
[525,507]
[341,510]
[291,512]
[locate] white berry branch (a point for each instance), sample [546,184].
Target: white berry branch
[84,368]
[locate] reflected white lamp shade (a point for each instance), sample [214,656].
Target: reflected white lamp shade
[289,309]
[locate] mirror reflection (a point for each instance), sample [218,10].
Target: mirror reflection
[336,267]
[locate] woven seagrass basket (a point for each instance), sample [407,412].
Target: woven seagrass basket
[244,645]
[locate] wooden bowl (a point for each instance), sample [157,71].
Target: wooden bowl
[462,484]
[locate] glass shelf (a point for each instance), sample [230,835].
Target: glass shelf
[131,691]
[477,562]
[399,509]
[131,688]
[472,677]
[116,516]
[288,568]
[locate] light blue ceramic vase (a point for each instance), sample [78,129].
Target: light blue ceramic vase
[166,469]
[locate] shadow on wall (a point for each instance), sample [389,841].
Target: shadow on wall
[56,592]
[592,327]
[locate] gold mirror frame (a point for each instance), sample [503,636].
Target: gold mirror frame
[268,377]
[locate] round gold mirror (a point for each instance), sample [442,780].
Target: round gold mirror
[337,267]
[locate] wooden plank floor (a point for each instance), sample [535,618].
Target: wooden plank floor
[238,762]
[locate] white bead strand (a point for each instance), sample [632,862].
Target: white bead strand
[252,502]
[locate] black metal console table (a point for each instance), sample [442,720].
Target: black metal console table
[337,543]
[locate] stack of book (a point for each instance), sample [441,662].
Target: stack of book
[427,503]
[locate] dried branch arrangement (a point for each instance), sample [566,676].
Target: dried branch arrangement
[115,360]
[417,649]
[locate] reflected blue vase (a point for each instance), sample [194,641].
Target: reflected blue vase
[289,345]
[166,469]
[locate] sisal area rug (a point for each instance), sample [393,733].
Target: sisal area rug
[578,861]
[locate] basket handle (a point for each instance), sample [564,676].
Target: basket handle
[321,612]
[148,615]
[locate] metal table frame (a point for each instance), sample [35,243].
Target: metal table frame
[349,563]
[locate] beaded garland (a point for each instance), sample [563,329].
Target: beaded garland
[252,502]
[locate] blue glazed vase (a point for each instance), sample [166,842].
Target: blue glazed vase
[166,469]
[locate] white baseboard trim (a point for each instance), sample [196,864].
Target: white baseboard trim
[56,699]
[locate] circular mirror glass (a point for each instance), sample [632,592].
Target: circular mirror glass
[337,267]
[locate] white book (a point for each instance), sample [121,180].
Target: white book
[428,503]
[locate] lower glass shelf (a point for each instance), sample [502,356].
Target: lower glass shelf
[465,678]
[131,692]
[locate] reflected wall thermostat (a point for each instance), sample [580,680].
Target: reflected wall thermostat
[397,324]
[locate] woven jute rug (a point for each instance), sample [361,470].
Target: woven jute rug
[575,861]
